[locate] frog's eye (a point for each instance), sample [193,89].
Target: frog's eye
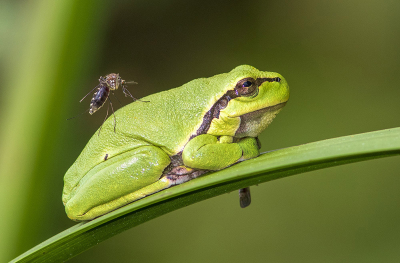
[278,79]
[246,87]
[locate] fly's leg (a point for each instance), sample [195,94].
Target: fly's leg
[104,120]
[127,93]
[120,104]
[115,119]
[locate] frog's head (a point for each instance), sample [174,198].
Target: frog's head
[252,98]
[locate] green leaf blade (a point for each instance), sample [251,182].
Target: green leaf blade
[267,167]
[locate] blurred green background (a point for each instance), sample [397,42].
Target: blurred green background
[341,59]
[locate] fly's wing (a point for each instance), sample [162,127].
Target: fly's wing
[97,87]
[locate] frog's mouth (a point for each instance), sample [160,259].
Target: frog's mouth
[253,123]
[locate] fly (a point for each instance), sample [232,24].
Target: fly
[107,85]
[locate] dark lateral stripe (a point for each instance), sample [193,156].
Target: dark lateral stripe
[221,104]
[214,112]
[261,80]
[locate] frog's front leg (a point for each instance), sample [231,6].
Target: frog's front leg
[210,153]
[117,181]
[207,152]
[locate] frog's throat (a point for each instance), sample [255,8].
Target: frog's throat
[253,123]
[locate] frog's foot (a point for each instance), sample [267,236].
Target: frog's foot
[244,197]
[181,174]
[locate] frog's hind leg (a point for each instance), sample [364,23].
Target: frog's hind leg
[177,175]
[117,181]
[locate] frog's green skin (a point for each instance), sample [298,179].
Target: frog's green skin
[206,124]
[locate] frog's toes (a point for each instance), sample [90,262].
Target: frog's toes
[181,174]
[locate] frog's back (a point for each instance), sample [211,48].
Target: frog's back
[170,117]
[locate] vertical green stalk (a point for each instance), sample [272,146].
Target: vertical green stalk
[58,36]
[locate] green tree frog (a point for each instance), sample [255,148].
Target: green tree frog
[205,125]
